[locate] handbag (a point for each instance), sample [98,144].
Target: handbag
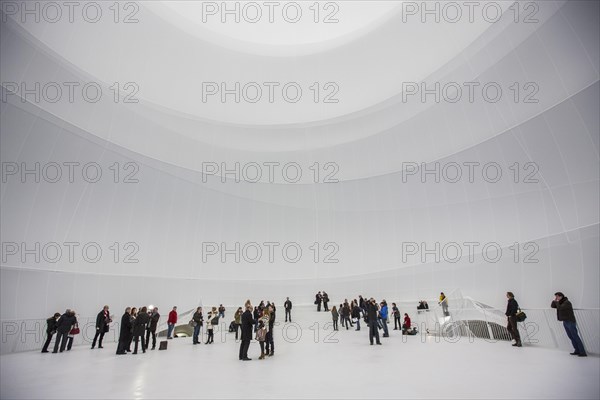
[520,316]
[74,330]
[193,323]
[261,334]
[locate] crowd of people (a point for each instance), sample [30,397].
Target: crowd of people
[139,326]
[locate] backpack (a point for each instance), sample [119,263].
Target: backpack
[215,321]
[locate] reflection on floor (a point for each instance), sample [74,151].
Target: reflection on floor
[310,361]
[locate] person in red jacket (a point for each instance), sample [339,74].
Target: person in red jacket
[406,325]
[171,322]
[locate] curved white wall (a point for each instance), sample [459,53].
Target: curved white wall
[371,135]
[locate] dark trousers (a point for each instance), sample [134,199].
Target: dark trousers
[244,346]
[347,322]
[335,324]
[319,306]
[137,339]
[571,329]
[148,332]
[262,348]
[122,346]
[70,342]
[270,343]
[47,343]
[288,313]
[211,336]
[99,333]
[397,323]
[513,329]
[237,329]
[61,338]
[373,332]
[325,305]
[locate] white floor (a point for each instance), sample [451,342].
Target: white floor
[310,367]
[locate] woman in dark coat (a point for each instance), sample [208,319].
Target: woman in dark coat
[125,332]
[139,328]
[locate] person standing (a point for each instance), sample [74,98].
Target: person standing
[383,314]
[102,321]
[346,316]
[396,312]
[50,331]
[221,311]
[270,344]
[198,320]
[132,316]
[256,315]
[154,317]
[74,331]
[288,309]
[262,332]
[125,332]
[247,323]
[511,313]
[444,303]
[318,300]
[211,317]
[325,301]
[139,329]
[171,321]
[564,313]
[335,315]
[356,314]
[237,320]
[372,310]
[63,327]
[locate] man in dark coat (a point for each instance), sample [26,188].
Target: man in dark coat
[63,327]
[154,317]
[512,307]
[372,309]
[139,329]
[564,313]
[50,330]
[124,332]
[318,300]
[102,321]
[288,309]
[247,325]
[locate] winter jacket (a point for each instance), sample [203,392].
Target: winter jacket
[287,305]
[51,325]
[383,313]
[154,317]
[247,325]
[65,323]
[139,325]
[564,310]
[198,318]
[335,315]
[172,317]
[511,308]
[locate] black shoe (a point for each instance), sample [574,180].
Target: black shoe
[582,355]
[386,335]
[153,347]
[93,347]
[100,347]
[272,354]
[371,343]
[379,343]
[574,353]
[135,352]
[54,352]
[45,351]
[246,359]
